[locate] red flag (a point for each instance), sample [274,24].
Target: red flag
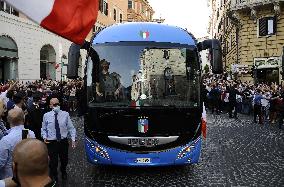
[71,19]
[203,128]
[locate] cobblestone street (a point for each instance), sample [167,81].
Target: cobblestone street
[235,153]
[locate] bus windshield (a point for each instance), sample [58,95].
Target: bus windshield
[144,76]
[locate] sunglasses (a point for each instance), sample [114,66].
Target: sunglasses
[56,104]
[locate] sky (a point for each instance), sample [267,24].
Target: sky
[190,14]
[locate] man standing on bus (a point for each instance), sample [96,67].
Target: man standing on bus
[56,128]
[108,86]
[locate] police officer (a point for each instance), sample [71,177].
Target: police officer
[56,127]
[16,120]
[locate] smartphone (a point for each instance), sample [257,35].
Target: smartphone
[25,133]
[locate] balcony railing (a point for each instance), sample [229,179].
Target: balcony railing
[242,4]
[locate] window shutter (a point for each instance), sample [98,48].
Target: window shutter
[101,5]
[262,26]
[1,5]
[106,11]
[274,24]
[114,14]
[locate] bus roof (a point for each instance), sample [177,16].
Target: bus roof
[144,32]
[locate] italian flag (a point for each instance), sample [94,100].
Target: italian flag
[203,122]
[143,128]
[144,35]
[71,19]
[136,103]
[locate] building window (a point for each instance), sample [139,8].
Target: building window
[217,14]
[142,9]
[103,6]
[120,18]
[130,4]
[2,4]
[267,26]
[114,14]
[7,8]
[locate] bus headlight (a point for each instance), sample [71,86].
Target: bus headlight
[184,151]
[189,148]
[99,150]
[102,152]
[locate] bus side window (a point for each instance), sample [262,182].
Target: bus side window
[191,64]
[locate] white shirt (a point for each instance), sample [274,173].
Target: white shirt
[2,183]
[264,101]
[48,130]
[3,96]
[226,99]
[7,145]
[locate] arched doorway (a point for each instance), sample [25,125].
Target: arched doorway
[47,62]
[8,59]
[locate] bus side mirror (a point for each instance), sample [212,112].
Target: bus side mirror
[215,52]
[73,61]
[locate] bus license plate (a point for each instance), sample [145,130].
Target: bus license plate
[143,160]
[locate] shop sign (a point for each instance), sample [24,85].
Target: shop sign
[271,62]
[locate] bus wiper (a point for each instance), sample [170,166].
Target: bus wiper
[114,106]
[170,106]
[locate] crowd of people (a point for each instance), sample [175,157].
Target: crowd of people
[38,110]
[265,101]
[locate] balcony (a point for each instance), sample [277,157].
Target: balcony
[244,4]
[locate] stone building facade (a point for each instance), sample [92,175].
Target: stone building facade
[110,12]
[29,52]
[140,10]
[252,37]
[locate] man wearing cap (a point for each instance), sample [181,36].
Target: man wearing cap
[108,86]
[56,128]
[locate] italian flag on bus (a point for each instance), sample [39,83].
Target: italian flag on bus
[136,103]
[71,19]
[203,122]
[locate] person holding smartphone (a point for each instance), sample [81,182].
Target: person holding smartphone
[16,120]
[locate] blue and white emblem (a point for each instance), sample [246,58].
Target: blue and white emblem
[143,125]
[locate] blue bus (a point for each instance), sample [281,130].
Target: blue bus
[142,90]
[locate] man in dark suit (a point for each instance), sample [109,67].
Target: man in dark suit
[35,115]
[233,100]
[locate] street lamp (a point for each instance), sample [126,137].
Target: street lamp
[62,64]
